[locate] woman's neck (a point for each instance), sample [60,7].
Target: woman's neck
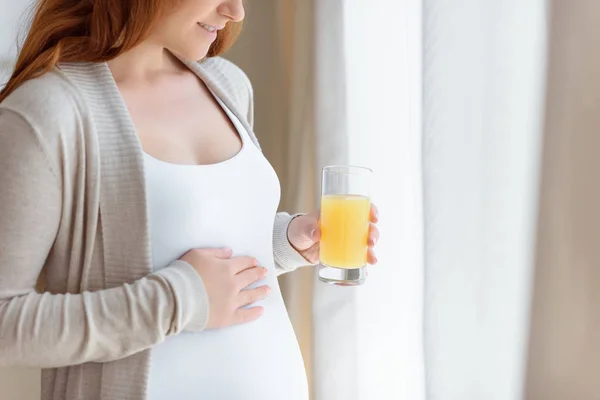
[145,62]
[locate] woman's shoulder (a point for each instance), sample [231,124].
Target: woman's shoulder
[49,103]
[49,110]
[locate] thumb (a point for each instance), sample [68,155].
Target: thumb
[310,227]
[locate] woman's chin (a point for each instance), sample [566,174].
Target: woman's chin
[194,53]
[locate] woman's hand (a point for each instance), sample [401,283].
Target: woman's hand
[304,235]
[226,280]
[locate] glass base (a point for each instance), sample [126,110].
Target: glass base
[342,276]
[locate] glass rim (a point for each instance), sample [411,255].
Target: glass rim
[350,169]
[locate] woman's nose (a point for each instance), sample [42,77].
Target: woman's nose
[233,9]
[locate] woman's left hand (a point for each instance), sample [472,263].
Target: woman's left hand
[304,235]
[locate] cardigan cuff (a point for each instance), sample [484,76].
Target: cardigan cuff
[286,257]
[191,299]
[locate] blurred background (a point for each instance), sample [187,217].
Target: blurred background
[480,121]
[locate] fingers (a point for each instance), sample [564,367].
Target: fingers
[245,315]
[371,258]
[373,235]
[242,263]
[250,296]
[374,214]
[251,275]
[312,253]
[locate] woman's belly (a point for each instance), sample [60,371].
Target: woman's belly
[260,360]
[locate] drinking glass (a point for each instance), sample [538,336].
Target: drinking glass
[344,223]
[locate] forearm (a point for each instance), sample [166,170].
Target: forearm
[54,330]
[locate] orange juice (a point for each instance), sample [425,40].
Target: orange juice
[344,230]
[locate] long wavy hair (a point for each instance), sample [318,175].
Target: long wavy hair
[91,31]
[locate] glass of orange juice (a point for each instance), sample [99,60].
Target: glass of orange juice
[344,222]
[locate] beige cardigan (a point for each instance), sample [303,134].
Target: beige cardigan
[73,208]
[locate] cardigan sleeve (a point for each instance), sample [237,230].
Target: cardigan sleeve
[54,330]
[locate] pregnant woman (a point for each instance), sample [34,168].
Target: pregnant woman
[140,242]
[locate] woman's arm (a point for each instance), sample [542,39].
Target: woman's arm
[54,330]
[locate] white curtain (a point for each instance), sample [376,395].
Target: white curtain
[484,74]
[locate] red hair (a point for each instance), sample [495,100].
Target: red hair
[91,31]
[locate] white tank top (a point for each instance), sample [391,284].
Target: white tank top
[229,204]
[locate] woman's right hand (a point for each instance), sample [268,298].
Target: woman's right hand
[226,279]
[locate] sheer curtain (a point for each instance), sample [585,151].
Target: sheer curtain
[484,75]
